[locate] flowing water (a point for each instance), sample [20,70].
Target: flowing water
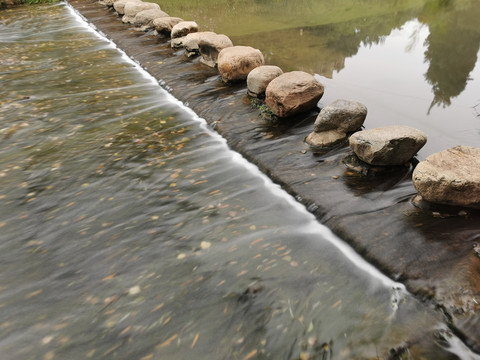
[411,62]
[129,230]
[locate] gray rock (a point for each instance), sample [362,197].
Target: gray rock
[119,5]
[164,25]
[177,42]
[450,177]
[292,93]
[236,62]
[390,145]
[335,121]
[131,9]
[183,28]
[144,19]
[210,45]
[259,78]
[341,115]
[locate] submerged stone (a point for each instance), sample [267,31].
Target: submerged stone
[390,145]
[450,177]
[236,62]
[293,93]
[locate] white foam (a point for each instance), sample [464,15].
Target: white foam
[398,290]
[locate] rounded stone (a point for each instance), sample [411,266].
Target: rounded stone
[164,25]
[144,19]
[259,78]
[390,145]
[131,9]
[183,28]
[450,177]
[341,115]
[236,62]
[119,5]
[292,93]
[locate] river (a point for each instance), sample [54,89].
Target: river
[129,229]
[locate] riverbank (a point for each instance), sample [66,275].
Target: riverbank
[433,252]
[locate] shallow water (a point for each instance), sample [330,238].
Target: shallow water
[412,63]
[130,231]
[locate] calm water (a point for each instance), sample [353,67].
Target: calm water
[128,230]
[411,62]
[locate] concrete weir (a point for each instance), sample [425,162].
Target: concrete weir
[433,251]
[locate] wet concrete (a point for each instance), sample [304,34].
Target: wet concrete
[433,251]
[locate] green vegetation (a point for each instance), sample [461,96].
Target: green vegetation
[5,3]
[264,111]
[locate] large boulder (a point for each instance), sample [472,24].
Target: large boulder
[292,93]
[236,62]
[450,177]
[210,45]
[144,19]
[119,5]
[259,78]
[335,121]
[390,145]
[190,42]
[131,9]
[164,25]
[183,28]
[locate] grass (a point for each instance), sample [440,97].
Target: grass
[264,111]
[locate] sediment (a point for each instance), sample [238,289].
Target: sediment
[431,250]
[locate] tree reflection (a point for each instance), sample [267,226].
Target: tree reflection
[452,46]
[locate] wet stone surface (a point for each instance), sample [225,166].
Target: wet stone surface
[431,253]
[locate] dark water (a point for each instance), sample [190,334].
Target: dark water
[411,62]
[128,229]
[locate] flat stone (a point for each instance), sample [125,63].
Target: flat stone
[144,19]
[210,45]
[390,145]
[259,78]
[293,93]
[183,28]
[131,9]
[164,25]
[236,62]
[325,138]
[450,177]
[119,5]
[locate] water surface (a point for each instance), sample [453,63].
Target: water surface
[130,231]
[411,63]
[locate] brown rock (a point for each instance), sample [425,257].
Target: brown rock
[144,19]
[450,177]
[236,62]
[259,78]
[292,93]
[210,45]
[164,25]
[119,5]
[131,9]
[183,28]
